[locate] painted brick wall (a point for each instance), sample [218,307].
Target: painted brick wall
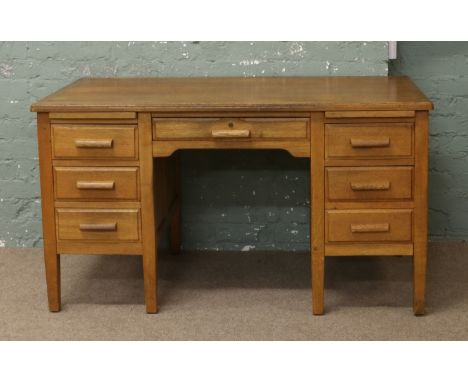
[440,69]
[231,200]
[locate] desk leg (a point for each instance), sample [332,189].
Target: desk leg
[420,211]
[148,218]
[51,258]
[52,267]
[318,211]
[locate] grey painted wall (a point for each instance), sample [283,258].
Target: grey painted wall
[440,69]
[231,200]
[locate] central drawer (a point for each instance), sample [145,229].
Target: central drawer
[230,128]
[369,183]
[96,183]
[98,225]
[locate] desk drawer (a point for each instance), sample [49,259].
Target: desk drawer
[369,183]
[96,183]
[94,141]
[367,140]
[101,225]
[230,128]
[369,225]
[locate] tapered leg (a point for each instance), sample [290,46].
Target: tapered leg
[52,268]
[318,277]
[51,258]
[419,279]
[421,136]
[174,231]
[150,280]
[318,211]
[148,213]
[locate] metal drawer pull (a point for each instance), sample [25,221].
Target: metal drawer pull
[84,185]
[370,228]
[377,186]
[104,227]
[93,144]
[230,133]
[370,142]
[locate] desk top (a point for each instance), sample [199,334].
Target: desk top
[236,94]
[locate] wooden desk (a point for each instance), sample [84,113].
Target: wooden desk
[102,192]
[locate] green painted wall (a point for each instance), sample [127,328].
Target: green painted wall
[246,198]
[440,69]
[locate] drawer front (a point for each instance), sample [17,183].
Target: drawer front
[369,183]
[369,140]
[230,128]
[96,183]
[94,141]
[369,225]
[101,225]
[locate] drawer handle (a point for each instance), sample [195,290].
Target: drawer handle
[94,144]
[377,186]
[230,133]
[84,185]
[103,227]
[369,143]
[370,228]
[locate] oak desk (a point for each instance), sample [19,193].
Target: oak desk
[102,192]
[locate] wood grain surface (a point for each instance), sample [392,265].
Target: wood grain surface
[236,93]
